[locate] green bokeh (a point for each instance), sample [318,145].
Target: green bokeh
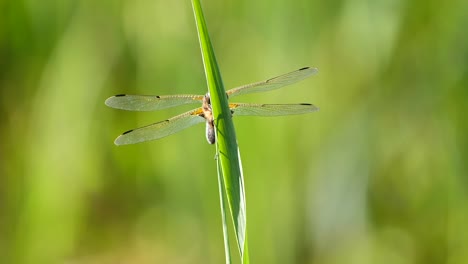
[378,175]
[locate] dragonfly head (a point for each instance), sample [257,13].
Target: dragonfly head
[207,100]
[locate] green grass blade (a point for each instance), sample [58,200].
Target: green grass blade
[222,198]
[228,152]
[246,260]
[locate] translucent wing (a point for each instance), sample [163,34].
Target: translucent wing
[150,102]
[161,129]
[273,83]
[271,109]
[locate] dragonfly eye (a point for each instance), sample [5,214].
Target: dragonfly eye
[208,99]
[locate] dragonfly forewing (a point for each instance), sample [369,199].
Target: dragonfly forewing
[151,102]
[161,129]
[273,83]
[239,109]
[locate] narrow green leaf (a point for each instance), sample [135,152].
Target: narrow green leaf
[222,198]
[228,151]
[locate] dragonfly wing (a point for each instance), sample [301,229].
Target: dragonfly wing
[271,109]
[273,83]
[161,129]
[150,102]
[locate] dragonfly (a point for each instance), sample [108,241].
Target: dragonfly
[204,113]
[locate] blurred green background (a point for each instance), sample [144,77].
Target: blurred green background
[378,175]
